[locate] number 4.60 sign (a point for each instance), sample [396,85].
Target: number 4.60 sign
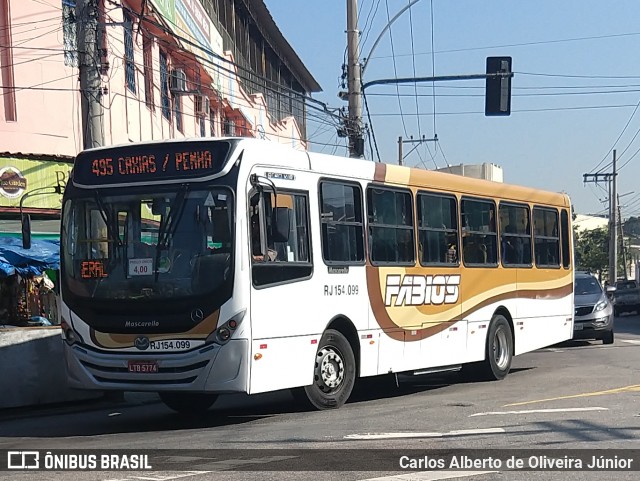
[140,267]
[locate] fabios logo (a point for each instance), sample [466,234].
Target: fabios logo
[413,290]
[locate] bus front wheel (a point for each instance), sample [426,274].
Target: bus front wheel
[334,373]
[188,402]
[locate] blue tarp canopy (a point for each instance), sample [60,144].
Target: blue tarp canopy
[43,255]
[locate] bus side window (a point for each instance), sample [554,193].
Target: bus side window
[275,260]
[254,220]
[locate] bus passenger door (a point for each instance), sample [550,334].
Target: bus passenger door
[281,269]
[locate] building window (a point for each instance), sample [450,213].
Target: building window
[391,237]
[228,127]
[164,86]
[546,237]
[515,235]
[203,126]
[342,223]
[69,41]
[479,235]
[129,64]
[147,58]
[437,230]
[212,122]
[177,106]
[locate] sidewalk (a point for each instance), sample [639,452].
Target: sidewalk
[109,400]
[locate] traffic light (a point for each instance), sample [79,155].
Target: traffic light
[498,87]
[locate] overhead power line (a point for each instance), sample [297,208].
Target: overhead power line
[511,45]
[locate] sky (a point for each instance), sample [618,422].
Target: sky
[575,90]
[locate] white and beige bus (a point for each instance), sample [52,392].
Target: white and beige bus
[200,267]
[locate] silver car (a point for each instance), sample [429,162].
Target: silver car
[593,310]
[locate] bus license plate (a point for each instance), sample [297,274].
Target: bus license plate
[577,327]
[143,367]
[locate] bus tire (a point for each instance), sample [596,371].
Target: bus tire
[498,354]
[334,372]
[188,402]
[499,350]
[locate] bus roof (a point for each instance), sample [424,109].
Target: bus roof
[433,180]
[337,166]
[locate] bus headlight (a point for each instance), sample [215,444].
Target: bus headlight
[224,332]
[70,336]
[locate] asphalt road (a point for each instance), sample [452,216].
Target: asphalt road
[577,395]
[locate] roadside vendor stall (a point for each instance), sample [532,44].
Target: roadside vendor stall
[27,282]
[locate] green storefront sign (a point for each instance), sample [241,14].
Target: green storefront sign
[166,8]
[21,176]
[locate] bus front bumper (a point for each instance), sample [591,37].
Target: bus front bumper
[212,368]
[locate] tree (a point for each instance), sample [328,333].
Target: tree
[592,249]
[632,226]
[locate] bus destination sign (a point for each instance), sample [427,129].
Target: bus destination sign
[150,162]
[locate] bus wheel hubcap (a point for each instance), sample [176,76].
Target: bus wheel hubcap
[501,349]
[329,369]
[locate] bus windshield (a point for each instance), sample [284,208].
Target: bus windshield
[148,246]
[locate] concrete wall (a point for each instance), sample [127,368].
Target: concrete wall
[33,370]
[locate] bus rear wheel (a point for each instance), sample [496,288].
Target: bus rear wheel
[334,373]
[188,402]
[499,350]
[498,353]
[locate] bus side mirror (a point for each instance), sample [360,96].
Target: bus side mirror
[26,231]
[281,223]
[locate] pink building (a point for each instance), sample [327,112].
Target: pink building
[168,68]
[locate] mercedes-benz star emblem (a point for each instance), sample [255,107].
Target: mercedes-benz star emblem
[197,315]
[142,343]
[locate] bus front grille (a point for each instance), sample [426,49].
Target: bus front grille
[161,370]
[185,380]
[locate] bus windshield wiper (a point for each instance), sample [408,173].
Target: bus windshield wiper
[111,236]
[168,227]
[106,217]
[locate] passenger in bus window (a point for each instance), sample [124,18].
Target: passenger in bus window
[520,251]
[475,250]
[507,250]
[507,245]
[452,254]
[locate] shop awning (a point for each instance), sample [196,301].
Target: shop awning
[43,255]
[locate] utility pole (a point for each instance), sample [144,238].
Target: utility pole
[90,80]
[354,123]
[613,238]
[621,238]
[411,141]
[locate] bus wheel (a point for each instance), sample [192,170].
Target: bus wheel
[188,402]
[334,372]
[499,350]
[498,354]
